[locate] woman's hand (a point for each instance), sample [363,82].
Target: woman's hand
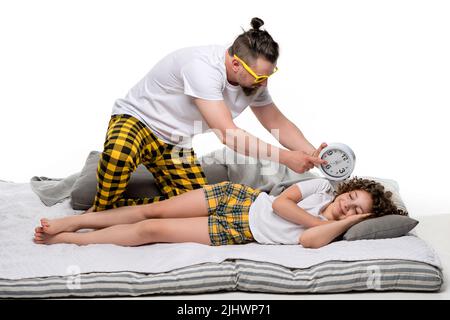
[356,218]
[323,234]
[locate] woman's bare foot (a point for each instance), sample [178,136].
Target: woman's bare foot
[59,225]
[40,237]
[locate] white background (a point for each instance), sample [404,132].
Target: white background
[372,74]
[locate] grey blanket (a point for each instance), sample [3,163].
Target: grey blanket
[267,176]
[53,190]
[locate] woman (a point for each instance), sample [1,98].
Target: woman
[309,213]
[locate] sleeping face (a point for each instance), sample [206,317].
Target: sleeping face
[349,203]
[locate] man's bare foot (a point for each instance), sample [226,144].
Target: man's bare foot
[41,237]
[59,225]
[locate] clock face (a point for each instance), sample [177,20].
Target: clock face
[340,164]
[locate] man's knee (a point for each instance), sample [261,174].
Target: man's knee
[119,155]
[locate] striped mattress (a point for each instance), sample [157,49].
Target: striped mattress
[236,275]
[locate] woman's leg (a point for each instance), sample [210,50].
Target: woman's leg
[144,232]
[189,204]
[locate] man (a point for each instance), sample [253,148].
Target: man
[188,92]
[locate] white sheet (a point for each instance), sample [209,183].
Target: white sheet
[21,209]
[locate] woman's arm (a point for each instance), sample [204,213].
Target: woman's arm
[285,205]
[322,235]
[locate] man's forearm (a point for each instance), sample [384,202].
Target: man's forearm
[291,137]
[247,144]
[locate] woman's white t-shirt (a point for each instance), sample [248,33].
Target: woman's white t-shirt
[163,99]
[269,228]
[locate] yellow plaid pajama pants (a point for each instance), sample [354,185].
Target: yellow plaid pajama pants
[129,143]
[228,211]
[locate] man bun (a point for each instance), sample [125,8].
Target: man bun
[256,23]
[255,43]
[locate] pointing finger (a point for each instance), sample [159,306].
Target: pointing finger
[319,150]
[316,160]
[323,145]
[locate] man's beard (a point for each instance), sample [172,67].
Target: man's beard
[249,91]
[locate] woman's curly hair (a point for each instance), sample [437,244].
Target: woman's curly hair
[382,200]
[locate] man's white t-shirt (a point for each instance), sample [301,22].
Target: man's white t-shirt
[269,228]
[163,99]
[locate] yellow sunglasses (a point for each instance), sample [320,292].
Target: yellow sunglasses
[258,78]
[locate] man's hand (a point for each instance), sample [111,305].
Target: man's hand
[301,162]
[319,150]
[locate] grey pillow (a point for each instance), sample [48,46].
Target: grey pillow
[141,184]
[389,226]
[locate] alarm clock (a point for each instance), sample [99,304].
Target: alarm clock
[340,161]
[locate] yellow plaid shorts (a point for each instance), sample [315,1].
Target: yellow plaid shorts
[228,208]
[129,143]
